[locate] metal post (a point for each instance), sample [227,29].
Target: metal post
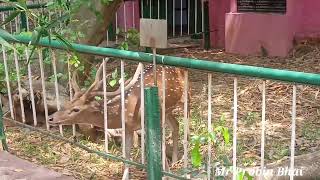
[153,131]
[3,143]
[154,52]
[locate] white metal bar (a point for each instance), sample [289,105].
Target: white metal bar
[202,15]
[195,16]
[150,9]
[142,116]
[19,86]
[293,130]
[263,127]
[158,9]
[185,120]
[125,20]
[54,65]
[105,106]
[163,116]
[116,27]
[70,92]
[181,13]
[174,18]
[44,94]
[6,71]
[33,105]
[142,8]
[209,123]
[123,120]
[166,9]
[17,24]
[10,24]
[235,119]
[133,14]
[188,16]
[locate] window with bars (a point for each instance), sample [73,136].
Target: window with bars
[262,6]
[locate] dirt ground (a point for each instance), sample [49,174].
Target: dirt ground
[305,57]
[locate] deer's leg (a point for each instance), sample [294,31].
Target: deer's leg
[128,142]
[174,125]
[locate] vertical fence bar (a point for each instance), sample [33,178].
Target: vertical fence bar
[54,61]
[33,105]
[263,127]
[163,116]
[235,119]
[188,17]
[105,106]
[125,20]
[195,16]
[166,9]
[133,15]
[153,133]
[150,9]
[293,130]
[70,92]
[181,13]
[116,27]
[17,24]
[174,18]
[6,69]
[209,122]
[19,85]
[123,120]
[44,93]
[142,9]
[185,120]
[142,116]
[158,9]
[202,16]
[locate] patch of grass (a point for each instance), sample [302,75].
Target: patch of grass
[310,132]
[250,118]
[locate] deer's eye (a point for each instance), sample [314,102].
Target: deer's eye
[75,110]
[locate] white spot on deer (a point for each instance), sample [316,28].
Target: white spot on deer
[131,114]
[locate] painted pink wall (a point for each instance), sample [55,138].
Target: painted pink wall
[131,10]
[218,9]
[245,33]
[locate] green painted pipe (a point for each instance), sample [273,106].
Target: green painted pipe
[236,69]
[153,133]
[29,6]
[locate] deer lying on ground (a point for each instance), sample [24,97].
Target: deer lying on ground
[85,109]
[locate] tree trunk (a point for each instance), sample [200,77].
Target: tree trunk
[94,27]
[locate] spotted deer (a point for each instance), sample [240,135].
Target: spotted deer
[86,109]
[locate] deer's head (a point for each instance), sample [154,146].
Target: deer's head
[85,108]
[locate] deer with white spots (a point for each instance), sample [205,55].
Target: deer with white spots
[86,109]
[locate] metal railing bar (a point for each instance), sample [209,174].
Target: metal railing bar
[263,127]
[293,130]
[198,64]
[235,127]
[23,116]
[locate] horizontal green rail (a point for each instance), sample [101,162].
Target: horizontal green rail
[29,6]
[236,69]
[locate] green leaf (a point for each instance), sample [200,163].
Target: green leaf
[112,83]
[226,135]
[10,18]
[98,98]
[196,158]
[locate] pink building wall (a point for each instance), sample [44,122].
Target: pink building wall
[217,11]
[131,10]
[246,33]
